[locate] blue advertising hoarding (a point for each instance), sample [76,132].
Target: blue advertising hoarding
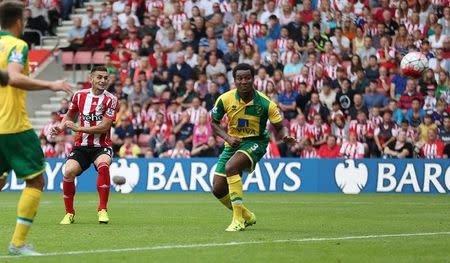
[271,175]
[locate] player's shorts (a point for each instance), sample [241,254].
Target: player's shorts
[22,153]
[85,155]
[254,148]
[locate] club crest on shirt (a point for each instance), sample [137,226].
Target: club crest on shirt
[101,107]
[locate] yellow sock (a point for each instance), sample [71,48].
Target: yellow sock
[235,188]
[26,210]
[246,214]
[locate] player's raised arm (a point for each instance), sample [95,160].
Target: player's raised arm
[19,80]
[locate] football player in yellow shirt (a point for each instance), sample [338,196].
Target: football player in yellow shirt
[246,140]
[20,148]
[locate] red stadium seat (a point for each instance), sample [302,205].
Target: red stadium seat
[99,57]
[83,58]
[144,140]
[67,58]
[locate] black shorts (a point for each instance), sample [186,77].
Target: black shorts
[85,155]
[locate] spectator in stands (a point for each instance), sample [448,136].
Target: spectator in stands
[340,129]
[433,148]
[409,95]
[330,149]
[327,96]
[372,70]
[314,107]
[47,148]
[358,105]
[129,149]
[444,130]
[211,97]
[179,151]
[120,132]
[184,129]
[426,126]
[64,109]
[181,68]
[373,98]
[399,147]
[92,38]
[62,147]
[366,51]
[46,130]
[385,132]
[139,94]
[76,35]
[215,68]
[308,151]
[361,82]
[123,17]
[352,149]
[202,131]
[341,43]
[287,102]
[318,132]
[89,16]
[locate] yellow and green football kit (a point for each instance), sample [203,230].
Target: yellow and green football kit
[20,148]
[247,121]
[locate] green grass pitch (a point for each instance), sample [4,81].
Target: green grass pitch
[168,227]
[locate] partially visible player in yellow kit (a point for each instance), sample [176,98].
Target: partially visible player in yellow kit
[20,148]
[248,111]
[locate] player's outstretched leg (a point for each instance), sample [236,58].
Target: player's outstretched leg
[26,211]
[220,191]
[72,169]
[233,169]
[103,186]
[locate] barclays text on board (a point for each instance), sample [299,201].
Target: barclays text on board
[271,175]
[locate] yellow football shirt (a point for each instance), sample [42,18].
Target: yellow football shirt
[246,120]
[13,112]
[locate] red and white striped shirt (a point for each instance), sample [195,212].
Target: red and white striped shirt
[309,154]
[413,27]
[252,30]
[175,153]
[361,130]
[318,84]
[234,29]
[261,84]
[432,150]
[132,45]
[63,153]
[286,56]
[138,120]
[92,109]
[173,118]
[134,64]
[318,133]
[352,150]
[149,4]
[312,69]
[46,131]
[325,59]
[48,150]
[298,131]
[281,45]
[331,71]
[376,120]
[196,113]
[178,20]
[299,79]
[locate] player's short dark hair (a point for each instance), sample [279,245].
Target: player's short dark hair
[99,68]
[243,66]
[10,11]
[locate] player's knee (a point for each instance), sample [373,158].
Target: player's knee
[37,182]
[219,190]
[231,169]
[70,174]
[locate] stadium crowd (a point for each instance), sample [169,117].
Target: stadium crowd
[331,66]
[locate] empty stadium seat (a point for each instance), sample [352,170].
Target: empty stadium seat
[83,58]
[99,57]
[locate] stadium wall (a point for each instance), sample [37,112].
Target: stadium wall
[271,175]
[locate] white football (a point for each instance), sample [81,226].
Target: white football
[414,64]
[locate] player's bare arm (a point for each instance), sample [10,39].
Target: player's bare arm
[103,127]
[218,130]
[283,133]
[4,78]
[19,80]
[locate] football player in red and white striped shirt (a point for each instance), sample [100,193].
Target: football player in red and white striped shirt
[97,109]
[433,148]
[352,149]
